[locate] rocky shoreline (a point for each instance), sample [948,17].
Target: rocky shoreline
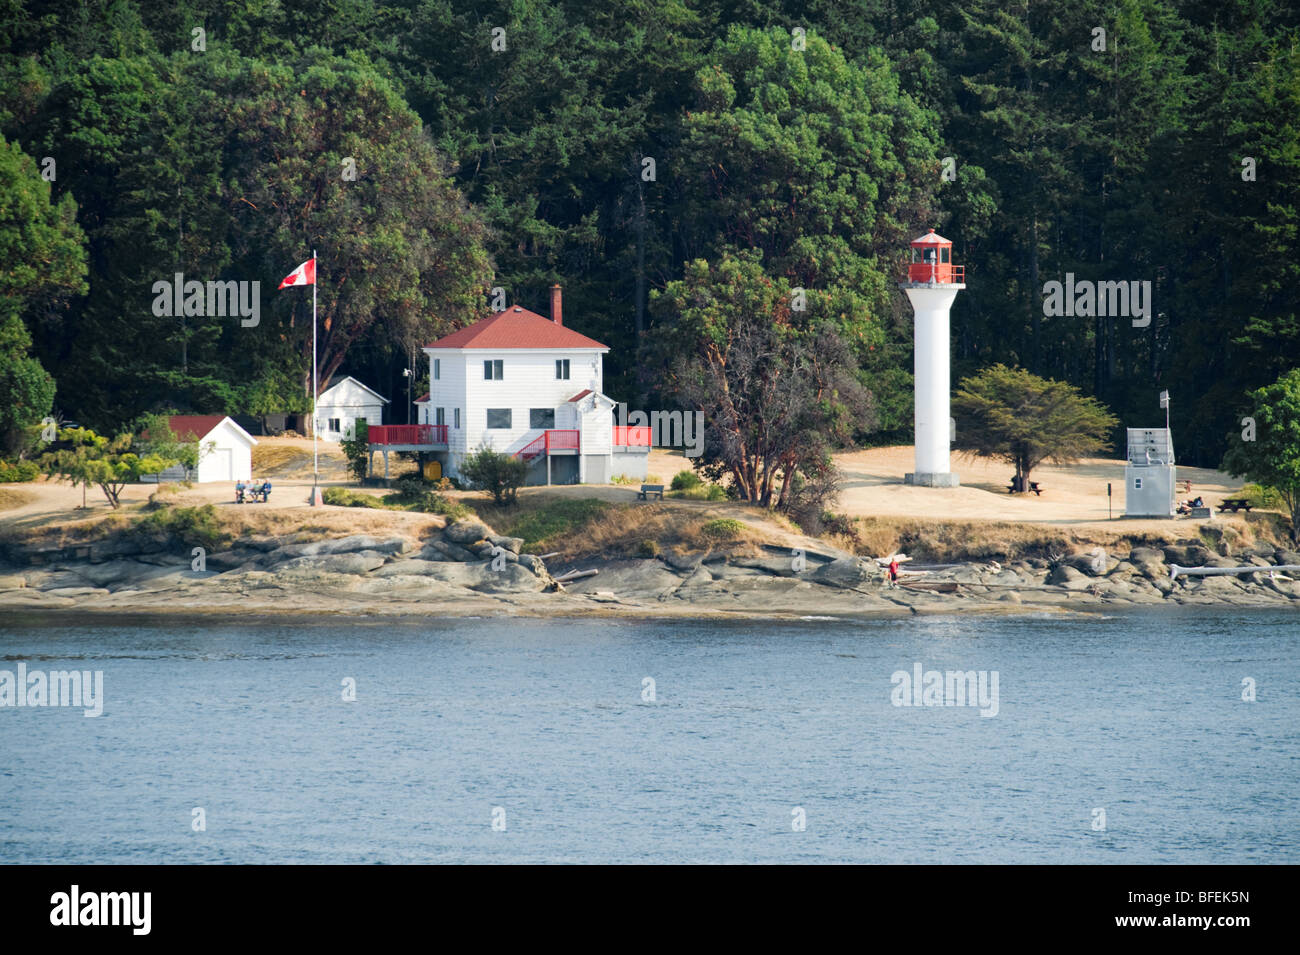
[464,569]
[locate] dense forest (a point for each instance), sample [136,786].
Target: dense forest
[640,153]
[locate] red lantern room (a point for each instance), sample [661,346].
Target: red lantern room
[932,261]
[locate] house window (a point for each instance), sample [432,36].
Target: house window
[541,417]
[492,370]
[442,416]
[437,369]
[498,418]
[562,368]
[1137,484]
[456,417]
[334,425]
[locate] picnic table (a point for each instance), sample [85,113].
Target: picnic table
[1235,504]
[650,490]
[1033,486]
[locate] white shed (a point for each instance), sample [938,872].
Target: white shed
[343,401]
[225,449]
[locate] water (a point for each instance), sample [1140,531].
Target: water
[1140,715]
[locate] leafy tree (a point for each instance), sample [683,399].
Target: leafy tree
[85,458]
[26,389]
[501,474]
[1011,415]
[1272,459]
[776,386]
[154,438]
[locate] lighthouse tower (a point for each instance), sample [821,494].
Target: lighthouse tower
[932,284]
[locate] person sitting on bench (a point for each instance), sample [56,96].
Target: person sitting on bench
[239,491]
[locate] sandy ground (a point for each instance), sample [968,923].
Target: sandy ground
[1074,496]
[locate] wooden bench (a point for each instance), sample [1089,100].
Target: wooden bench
[1235,504]
[650,490]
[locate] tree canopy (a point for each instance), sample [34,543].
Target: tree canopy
[1012,415]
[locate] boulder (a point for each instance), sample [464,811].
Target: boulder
[678,560]
[414,567]
[512,544]
[230,559]
[12,582]
[1011,597]
[511,578]
[1094,563]
[359,563]
[1187,555]
[1259,550]
[535,564]
[1063,575]
[1141,555]
[772,566]
[1286,557]
[847,572]
[441,550]
[483,549]
[466,531]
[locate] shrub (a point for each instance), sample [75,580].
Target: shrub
[685,480]
[357,450]
[702,492]
[342,497]
[15,472]
[188,526]
[724,528]
[648,548]
[499,474]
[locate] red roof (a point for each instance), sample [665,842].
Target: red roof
[197,425]
[580,395]
[516,327]
[423,397]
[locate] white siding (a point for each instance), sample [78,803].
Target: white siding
[346,401]
[528,381]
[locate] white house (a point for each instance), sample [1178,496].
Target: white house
[342,403]
[225,449]
[525,385]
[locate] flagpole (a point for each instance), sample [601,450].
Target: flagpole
[315,454]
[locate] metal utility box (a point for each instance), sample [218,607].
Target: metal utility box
[1150,475]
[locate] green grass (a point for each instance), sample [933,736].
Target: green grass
[701,492]
[550,518]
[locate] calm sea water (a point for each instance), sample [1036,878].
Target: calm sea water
[544,722]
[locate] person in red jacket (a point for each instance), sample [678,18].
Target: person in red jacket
[893,571]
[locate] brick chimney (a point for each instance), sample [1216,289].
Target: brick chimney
[557,311]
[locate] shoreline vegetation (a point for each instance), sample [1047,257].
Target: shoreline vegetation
[679,558]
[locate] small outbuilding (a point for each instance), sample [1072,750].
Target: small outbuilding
[225,449]
[344,402]
[1150,476]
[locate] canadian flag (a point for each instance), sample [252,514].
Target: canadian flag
[304,274]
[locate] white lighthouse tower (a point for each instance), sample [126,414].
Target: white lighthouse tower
[932,285]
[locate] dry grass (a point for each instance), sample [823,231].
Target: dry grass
[950,541]
[11,498]
[622,530]
[269,457]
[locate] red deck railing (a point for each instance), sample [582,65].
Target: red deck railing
[420,434]
[547,442]
[633,436]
